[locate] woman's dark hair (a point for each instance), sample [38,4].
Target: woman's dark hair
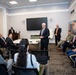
[22,56]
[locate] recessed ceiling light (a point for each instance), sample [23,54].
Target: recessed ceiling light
[32,0]
[13,2]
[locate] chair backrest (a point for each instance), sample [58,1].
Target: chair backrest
[24,71]
[3,69]
[41,55]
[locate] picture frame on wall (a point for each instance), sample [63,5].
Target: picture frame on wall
[72,26]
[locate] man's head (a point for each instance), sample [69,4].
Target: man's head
[10,35]
[11,27]
[0,35]
[43,25]
[69,32]
[57,26]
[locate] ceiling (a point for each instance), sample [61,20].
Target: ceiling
[22,3]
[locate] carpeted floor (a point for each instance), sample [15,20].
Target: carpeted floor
[59,64]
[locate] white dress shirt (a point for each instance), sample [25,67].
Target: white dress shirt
[42,31]
[29,65]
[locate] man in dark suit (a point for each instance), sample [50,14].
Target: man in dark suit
[10,43]
[44,33]
[11,30]
[3,42]
[57,33]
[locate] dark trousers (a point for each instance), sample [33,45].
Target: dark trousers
[57,39]
[44,45]
[65,45]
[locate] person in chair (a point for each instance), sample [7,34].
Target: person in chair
[10,43]
[23,58]
[7,63]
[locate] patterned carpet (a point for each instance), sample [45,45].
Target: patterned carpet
[59,64]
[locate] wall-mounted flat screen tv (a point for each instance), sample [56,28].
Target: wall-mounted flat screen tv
[35,23]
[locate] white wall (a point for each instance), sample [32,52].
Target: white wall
[1,23]
[61,18]
[58,13]
[73,15]
[72,6]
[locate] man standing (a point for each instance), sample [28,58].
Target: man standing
[11,31]
[44,33]
[57,33]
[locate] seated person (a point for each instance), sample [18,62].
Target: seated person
[67,43]
[10,43]
[8,64]
[68,39]
[23,58]
[3,42]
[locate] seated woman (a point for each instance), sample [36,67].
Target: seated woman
[8,64]
[23,58]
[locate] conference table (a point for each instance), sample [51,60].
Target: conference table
[33,42]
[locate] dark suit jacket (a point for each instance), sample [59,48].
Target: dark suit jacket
[59,32]
[10,31]
[10,43]
[46,33]
[2,43]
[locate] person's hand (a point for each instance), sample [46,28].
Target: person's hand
[64,40]
[55,34]
[74,50]
[41,37]
[71,42]
[5,43]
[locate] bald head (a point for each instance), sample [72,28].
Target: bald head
[43,25]
[57,26]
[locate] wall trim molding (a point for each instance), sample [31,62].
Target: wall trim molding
[37,12]
[39,5]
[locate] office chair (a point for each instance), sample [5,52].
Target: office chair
[41,55]
[3,69]
[24,71]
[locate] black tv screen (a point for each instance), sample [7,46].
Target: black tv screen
[35,23]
